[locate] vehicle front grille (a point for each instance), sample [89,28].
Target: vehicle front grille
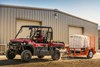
[14,43]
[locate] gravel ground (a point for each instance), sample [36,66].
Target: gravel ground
[47,62]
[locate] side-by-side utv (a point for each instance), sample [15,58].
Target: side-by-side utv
[34,41]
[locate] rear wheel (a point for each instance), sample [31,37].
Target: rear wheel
[40,56]
[90,54]
[26,55]
[56,55]
[10,54]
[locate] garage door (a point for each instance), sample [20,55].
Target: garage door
[25,32]
[75,30]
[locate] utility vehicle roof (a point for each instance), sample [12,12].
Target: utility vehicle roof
[33,26]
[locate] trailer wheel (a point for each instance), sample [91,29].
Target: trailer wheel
[10,54]
[26,55]
[90,54]
[40,56]
[56,55]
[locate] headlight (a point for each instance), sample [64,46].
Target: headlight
[24,43]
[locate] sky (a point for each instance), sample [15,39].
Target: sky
[86,9]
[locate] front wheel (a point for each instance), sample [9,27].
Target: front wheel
[90,54]
[10,54]
[26,55]
[56,55]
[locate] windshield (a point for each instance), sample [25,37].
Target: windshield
[24,33]
[31,33]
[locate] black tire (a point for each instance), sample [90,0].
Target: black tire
[40,56]
[10,54]
[90,54]
[26,55]
[56,55]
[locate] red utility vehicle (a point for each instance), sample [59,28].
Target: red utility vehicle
[37,43]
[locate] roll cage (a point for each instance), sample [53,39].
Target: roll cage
[48,34]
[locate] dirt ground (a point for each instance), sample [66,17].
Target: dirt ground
[47,62]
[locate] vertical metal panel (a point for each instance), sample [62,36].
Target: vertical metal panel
[7,24]
[0,20]
[4,25]
[99,39]
[12,22]
[1,26]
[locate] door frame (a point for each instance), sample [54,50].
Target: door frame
[25,20]
[77,27]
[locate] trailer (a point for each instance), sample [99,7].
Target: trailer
[88,51]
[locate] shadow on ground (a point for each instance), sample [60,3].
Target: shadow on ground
[35,60]
[73,58]
[18,61]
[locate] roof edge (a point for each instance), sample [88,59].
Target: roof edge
[78,17]
[24,7]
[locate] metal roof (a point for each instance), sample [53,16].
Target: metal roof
[26,7]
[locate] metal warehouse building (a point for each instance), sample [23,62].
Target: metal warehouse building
[63,24]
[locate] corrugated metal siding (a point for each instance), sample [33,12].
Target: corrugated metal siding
[99,39]
[60,24]
[0,21]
